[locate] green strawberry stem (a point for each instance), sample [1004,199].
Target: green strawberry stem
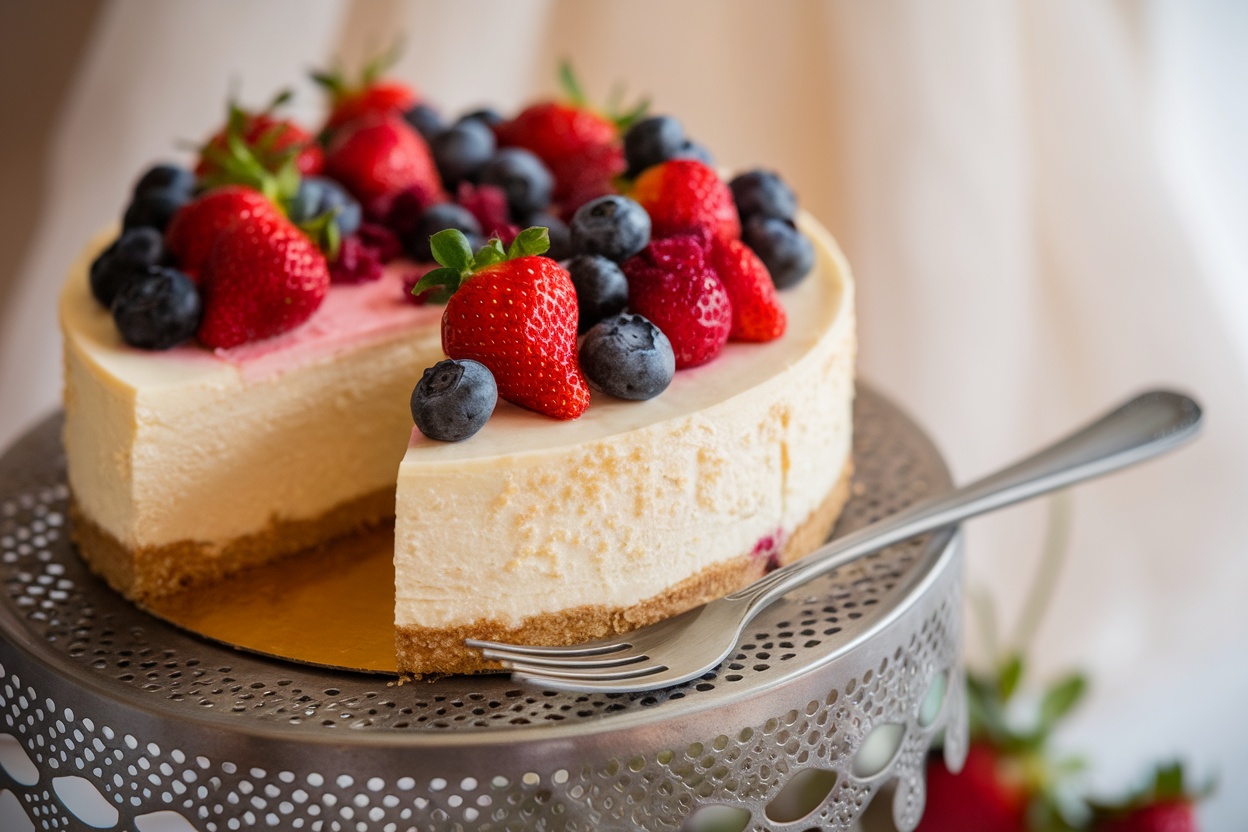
[452,251]
[334,80]
[575,94]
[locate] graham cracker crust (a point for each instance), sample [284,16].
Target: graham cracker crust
[426,650]
[151,572]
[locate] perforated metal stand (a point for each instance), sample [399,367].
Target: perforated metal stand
[110,719]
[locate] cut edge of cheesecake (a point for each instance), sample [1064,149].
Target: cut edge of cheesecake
[423,651]
[149,572]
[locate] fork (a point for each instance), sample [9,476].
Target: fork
[688,645]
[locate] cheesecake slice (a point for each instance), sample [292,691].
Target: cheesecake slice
[542,532]
[191,464]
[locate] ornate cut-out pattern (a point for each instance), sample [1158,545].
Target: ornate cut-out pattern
[808,682]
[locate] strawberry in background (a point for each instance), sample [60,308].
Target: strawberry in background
[270,139]
[369,96]
[1013,780]
[579,144]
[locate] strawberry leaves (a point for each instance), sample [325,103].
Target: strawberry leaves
[454,254]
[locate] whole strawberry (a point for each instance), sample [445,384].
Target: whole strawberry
[379,156]
[270,139]
[980,798]
[515,312]
[757,314]
[578,144]
[670,283]
[263,277]
[195,227]
[684,195]
[369,96]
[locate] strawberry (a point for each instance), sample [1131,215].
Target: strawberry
[1165,804]
[554,131]
[980,798]
[262,278]
[756,311]
[579,144]
[270,139]
[379,156]
[515,312]
[670,284]
[682,195]
[1170,816]
[195,227]
[368,97]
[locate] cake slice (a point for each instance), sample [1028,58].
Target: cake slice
[190,464]
[542,532]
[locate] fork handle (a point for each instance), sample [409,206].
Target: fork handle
[1140,429]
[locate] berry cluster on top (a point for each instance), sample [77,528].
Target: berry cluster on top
[665,263]
[640,260]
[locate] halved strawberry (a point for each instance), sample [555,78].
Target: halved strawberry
[515,312]
[670,283]
[379,156]
[263,277]
[757,314]
[683,195]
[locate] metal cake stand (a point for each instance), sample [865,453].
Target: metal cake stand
[112,719]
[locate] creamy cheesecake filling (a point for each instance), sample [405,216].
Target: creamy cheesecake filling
[188,446]
[525,518]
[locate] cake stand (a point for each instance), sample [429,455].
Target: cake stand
[112,719]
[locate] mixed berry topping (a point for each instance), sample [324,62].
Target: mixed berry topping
[454,399]
[572,245]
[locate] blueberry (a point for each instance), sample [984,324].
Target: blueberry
[601,289]
[129,255]
[454,399]
[761,192]
[462,151]
[486,115]
[153,209]
[693,150]
[427,121]
[652,141]
[316,195]
[560,235]
[613,226]
[158,309]
[172,178]
[784,250]
[628,357]
[438,218]
[523,177]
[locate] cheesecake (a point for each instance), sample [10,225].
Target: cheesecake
[191,464]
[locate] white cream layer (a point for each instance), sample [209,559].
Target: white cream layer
[532,516]
[183,445]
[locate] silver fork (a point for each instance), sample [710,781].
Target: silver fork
[690,644]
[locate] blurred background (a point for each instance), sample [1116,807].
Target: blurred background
[1045,205]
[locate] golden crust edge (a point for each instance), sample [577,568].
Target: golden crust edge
[429,650]
[151,572]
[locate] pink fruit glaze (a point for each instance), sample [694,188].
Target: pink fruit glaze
[351,314]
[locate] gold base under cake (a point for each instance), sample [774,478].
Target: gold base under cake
[424,650]
[151,572]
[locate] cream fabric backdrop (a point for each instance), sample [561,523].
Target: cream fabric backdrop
[1045,205]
